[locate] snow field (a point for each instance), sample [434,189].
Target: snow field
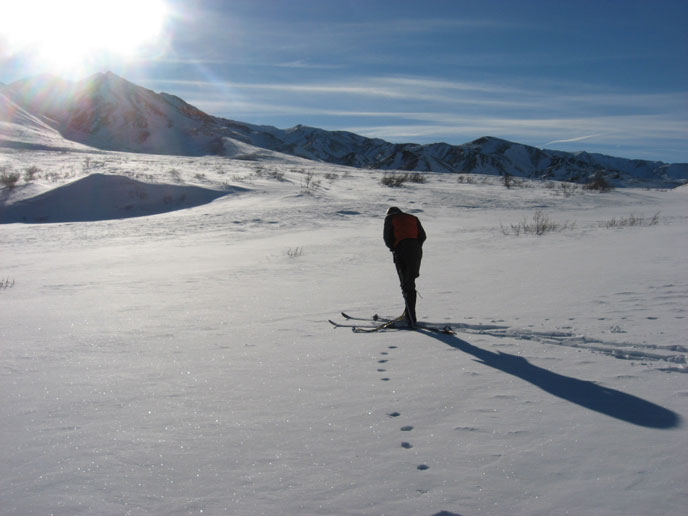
[183,362]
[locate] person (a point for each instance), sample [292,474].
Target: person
[404,236]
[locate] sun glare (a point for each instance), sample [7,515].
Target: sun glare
[67,34]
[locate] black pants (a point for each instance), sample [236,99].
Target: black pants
[407,257]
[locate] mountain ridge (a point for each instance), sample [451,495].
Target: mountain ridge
[108,112]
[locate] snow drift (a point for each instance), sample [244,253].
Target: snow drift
[104,197]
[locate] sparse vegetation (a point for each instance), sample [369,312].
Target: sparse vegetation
[598,184]
[473,179]
[175,175]
[294,252]
[630,222]
[9,179]
[565,189]
[511,181]
[5,284]
[30,173]
[395,179]
[538,225]
[53,177]
[276,174]
[308,182]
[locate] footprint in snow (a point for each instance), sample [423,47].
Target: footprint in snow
[406,445]
[406,428]
[394,414]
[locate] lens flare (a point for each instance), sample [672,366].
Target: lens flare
[64,34]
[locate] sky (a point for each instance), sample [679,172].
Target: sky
[608,76]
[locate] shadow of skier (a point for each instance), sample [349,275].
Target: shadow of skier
[604,400]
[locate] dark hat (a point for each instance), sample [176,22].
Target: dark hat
[393,210]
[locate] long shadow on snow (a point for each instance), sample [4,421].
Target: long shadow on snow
[604,400]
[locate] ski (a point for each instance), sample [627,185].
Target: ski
[353,318]
[346,325]
[388,324]
[379,323]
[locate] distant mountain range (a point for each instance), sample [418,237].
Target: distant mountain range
[108,112]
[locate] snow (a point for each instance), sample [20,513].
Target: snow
[182,363]
[104,197]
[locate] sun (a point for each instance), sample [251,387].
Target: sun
[66,34]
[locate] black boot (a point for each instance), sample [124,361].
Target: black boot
[410,312]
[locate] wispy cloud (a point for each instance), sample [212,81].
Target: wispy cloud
[571,140]
[426,109]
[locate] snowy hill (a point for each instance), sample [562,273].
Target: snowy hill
[107,112]
[23,130]
[104,197]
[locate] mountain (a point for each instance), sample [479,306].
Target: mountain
[19,128]
[108,112]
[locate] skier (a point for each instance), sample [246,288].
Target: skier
[404,236]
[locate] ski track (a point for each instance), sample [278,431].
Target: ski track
[647,353]
[621,350]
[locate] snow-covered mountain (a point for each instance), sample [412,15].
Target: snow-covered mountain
[108,112]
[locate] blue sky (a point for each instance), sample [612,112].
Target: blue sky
[601,76]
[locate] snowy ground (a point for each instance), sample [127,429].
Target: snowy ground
[182,363]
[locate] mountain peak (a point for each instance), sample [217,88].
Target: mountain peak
[108,112]
[106,79]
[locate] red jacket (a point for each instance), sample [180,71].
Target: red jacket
[400,226]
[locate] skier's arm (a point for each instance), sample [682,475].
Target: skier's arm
[388,233]
[421,233]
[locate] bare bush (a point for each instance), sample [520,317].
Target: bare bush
[630,222]
[269,173]
[175,175]
[598,184]
[277,175]
[511,181]
[9,179]
[394,180]
[308,183]
[540,224]
[5,284]
[294,252]
[465,179]
[568,189]
[30,173]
